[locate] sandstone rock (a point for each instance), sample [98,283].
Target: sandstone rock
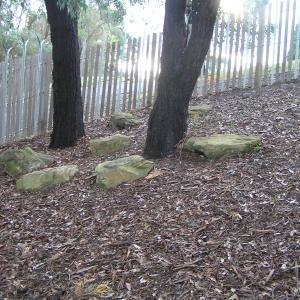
[199,110]
[113,173]
[21,161]
[46,178]
[222,145]
[296,101]
[123,120]
[108,145]
[246,95]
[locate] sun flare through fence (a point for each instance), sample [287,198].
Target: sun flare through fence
[246,51]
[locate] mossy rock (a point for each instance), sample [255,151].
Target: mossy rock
[223,145]
[123,120]
[296,101]
[108,145]
[16,162]
[199,110]
[113,173]
[39,180]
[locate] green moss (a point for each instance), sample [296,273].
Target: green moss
[123,120]
[108,145]
[113,173]
[46,178]
[21,161]
[217,146]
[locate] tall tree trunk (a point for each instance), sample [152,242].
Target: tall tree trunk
[181,62]
[67,103]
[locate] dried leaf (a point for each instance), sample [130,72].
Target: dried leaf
[155,173]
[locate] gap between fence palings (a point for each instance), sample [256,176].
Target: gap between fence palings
[247,51]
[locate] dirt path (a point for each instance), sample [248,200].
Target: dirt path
[217,230]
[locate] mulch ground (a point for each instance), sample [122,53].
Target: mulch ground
[228,229]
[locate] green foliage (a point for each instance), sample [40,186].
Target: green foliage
[73,6]
[101,22]
[98,20]
[19,23]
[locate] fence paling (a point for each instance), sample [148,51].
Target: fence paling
[85,73]
[242,50]
[129,46]
[207,60]
[9,103]
[116,72]
[131,78]
[110,79]
[89,83]
[253,45]
[285,40]
[1,101]
[151,73]
[136,74]
[146,71]
[215,44]
[50,110]
[47,95]
[260,49]
[102,106]
[279,42]
[237,43]
[249,52]
[232,27]
[158,64]
[290,56]
[266,71]
[4,97]
[219,62]
[298,48]
[91,107]
[14,102]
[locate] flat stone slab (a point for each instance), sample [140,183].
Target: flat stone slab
[113,173]
[297,101]
[123,120]
[199,110]
[108,145]
[39,180]
[16,162]
[222,145]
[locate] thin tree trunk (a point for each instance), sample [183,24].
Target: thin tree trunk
[181,62]
[67,103]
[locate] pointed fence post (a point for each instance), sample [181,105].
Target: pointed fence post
[260,51]
[21,95]
[4,95]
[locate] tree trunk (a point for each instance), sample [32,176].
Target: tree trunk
[67,103]
[181,62]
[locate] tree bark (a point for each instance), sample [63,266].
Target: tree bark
[181,62]
[68,123]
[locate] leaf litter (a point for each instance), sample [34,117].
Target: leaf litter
[193,229]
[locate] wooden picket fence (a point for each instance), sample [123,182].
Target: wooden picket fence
[246,52]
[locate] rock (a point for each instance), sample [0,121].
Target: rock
[21,161]
[222,145]
[246,95]
[123,120]
[199,110]
[108,145]
[113,173]
[296,101]
[46,178]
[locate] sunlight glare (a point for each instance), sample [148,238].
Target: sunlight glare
[234,7]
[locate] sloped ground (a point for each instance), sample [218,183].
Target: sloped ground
[203,230]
